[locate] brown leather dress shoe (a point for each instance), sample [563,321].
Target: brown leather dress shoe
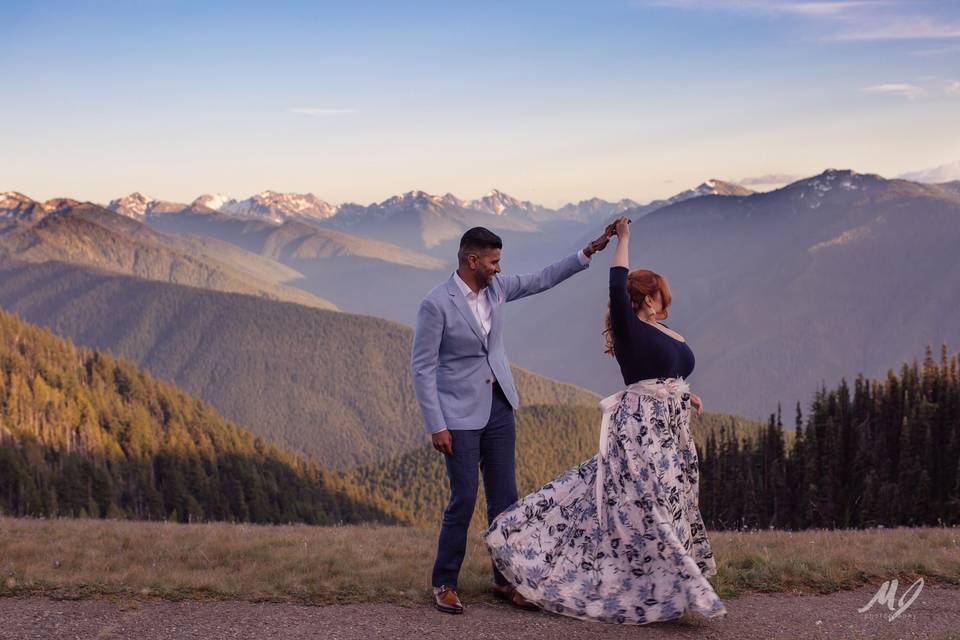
[447,600]
[509,593]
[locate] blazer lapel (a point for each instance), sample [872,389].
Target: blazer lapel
[494,310]
[461,303]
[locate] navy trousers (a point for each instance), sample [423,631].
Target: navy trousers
[492,449]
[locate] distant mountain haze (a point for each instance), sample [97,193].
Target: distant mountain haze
[367,275]
[84,233]
[291,240]
[952,187]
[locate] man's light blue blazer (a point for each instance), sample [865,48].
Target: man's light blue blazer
[453,364]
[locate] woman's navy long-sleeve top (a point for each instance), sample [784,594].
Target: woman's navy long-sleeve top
[642,350]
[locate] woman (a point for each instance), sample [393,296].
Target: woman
[620,537]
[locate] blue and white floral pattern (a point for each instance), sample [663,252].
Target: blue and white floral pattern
[650,559]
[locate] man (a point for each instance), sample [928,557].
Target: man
[467,397]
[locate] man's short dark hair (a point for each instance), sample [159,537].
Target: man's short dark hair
[478,239]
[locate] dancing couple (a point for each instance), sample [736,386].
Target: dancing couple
[618,538]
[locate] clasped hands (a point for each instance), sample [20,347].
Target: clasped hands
[601,243]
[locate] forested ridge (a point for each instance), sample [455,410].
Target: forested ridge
[85,434]
[885,452]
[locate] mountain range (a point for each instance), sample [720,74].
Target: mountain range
[378,259]
[277,207]
[776,292]
[415,220]
[85,233]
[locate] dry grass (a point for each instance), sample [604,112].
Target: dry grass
[827,560]
[318,565]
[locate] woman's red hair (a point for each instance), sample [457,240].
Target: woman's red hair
[640,283]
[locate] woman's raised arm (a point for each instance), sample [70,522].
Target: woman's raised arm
[621,257]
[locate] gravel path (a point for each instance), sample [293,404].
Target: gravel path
[934,614]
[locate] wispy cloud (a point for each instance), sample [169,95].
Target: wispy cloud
[937,51]
[807,8]
[943,173]
[821,8]
[812,8]
[909,91]
[852,20]
[320,111]
[770,178]
[901,28]
[924,86]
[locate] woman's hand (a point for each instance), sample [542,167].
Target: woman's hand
[697,403]
[611,229]
[621,227]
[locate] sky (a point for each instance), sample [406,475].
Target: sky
[547,101]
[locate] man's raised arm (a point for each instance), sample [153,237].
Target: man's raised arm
[519,286]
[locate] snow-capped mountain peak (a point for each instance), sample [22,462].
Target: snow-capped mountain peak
[15,205]
[215,201]
[277,206]
[496,202]
[134,205]
[843,179]
[499,203]
[811,190]
[418,198]
[711,187]
[714,187]
[453,201]
[10,199]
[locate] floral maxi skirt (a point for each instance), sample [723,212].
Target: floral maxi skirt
[620,537]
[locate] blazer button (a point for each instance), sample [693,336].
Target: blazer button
[489,380]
